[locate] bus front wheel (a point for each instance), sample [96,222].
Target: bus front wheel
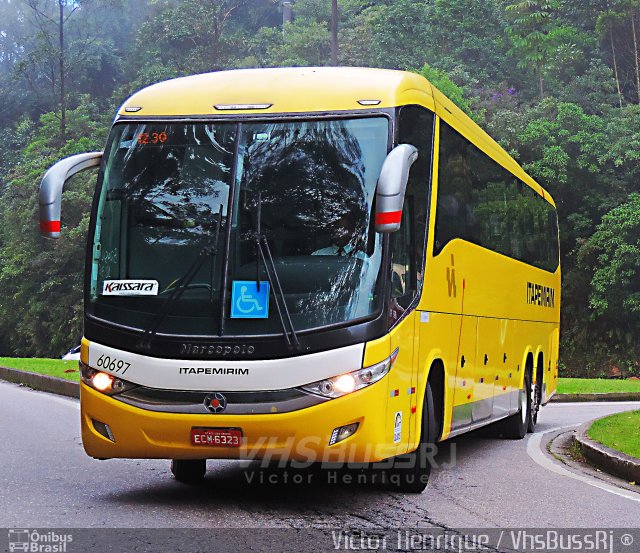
[188,471]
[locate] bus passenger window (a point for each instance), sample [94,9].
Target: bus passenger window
[481,202]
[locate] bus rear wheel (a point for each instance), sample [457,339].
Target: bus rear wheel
[410,472]
[188,471]
[515,427]
[536,399]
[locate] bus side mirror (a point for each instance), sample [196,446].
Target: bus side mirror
[51,189]
[392,185]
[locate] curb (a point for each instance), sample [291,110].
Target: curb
[616,396]
[611,461]
[41,382]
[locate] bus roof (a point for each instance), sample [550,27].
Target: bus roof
[286,90]
[308,89]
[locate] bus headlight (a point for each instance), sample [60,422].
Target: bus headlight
[343,384]
[104,382]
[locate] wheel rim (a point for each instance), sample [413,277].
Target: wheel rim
[523,404]
[533,400]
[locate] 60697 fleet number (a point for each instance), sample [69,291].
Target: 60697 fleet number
[112,364]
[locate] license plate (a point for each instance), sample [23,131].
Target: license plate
[216,437]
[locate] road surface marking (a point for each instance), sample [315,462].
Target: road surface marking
[534,451]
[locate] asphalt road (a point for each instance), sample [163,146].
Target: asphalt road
[46,480]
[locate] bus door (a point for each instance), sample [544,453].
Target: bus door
[403,336]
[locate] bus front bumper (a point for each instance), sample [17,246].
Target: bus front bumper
[301,435]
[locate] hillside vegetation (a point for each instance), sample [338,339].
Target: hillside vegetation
[556,82]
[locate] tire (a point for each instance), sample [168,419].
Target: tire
[410,472]
[189,471]
[515,427]
[536,399]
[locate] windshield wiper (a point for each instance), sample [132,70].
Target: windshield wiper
[208,250]
[264,253]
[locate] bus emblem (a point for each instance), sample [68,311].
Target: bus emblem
[451,278]
[216,402]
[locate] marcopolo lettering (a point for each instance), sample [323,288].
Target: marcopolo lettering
[214,370]
[130,288]
[537,294]
[216,349]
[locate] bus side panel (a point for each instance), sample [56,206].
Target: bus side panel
[506,383]
[489,284]
[438,341]
[486,380]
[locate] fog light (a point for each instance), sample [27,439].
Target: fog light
[103,429]
[102,381]
[343,432]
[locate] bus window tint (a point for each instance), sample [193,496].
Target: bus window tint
[415,127]
[481,202]
[312,186]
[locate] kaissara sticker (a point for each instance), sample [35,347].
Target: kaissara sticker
[130,288]
[397,427]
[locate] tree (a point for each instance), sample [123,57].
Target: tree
[50,18]
[632,6]
[334,32]
[386,34]
[444,84]
[612,256]
[607,21]
[189,37]
[531,31]
[41,281]
[468,34]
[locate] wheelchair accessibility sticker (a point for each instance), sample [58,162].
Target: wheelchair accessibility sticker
[247,302]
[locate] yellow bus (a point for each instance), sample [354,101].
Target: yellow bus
[311,264]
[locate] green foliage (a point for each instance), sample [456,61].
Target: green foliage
[301,44]
[439,79]
[554,81]
[534,34]
[41,281]
[387,34]
[612,255]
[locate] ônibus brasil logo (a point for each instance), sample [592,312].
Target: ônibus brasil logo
[38,542]
[130,288]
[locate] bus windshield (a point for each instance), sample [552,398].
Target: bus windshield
[181,196]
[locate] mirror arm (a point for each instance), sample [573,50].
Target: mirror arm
[51,189]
